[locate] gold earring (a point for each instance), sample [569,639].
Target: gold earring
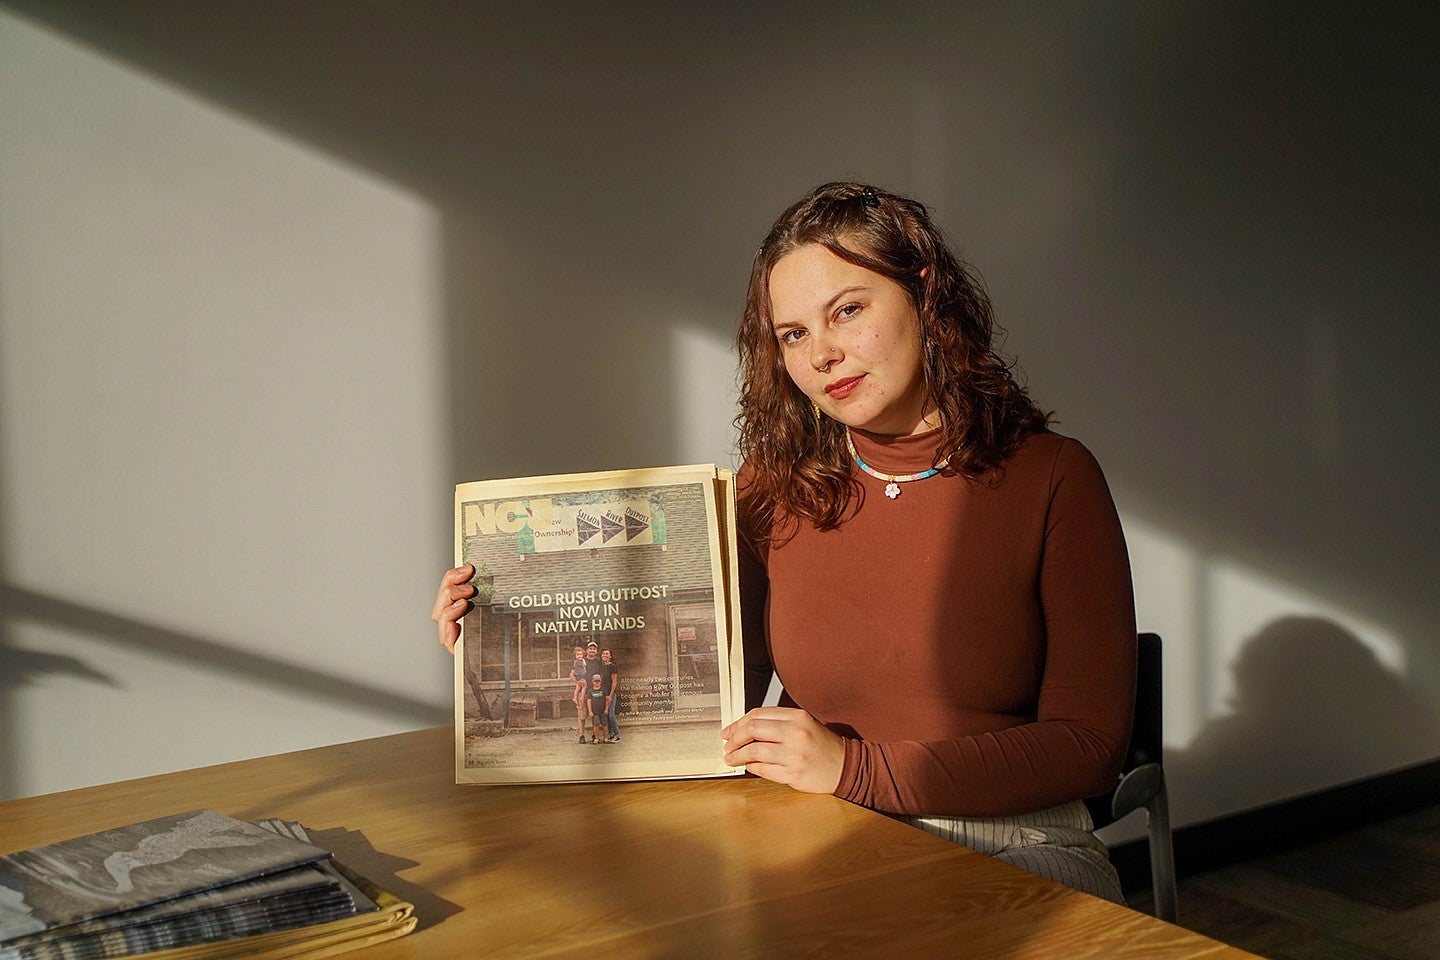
[815,409]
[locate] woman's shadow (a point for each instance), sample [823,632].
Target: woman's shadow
[1313,708]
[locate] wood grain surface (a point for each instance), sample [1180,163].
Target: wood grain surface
[694,869]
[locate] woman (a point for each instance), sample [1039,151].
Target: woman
[939,581]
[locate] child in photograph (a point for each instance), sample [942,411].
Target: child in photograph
[599,704]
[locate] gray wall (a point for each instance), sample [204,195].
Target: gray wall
[273,277]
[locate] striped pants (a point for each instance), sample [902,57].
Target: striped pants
[1058,844]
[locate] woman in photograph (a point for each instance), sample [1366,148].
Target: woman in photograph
[939,581]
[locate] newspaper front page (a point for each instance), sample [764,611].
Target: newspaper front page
[603,643]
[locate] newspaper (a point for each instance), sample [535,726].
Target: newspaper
[604,641]
[193,886]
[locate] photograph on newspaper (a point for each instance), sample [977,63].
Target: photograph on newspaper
[603,640]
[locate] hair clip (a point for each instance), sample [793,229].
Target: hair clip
[868,197]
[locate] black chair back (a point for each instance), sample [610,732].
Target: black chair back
[1147,732]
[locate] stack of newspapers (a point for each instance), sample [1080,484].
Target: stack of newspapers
[193,885]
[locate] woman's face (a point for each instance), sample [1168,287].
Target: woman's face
[850,339]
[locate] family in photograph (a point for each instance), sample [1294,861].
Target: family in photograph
[597,687]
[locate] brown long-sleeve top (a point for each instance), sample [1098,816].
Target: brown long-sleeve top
[973,639]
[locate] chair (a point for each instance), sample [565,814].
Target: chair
[1142,782]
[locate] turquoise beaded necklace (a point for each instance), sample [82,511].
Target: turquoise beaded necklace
[892,482]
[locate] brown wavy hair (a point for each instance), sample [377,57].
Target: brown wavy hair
[797,462]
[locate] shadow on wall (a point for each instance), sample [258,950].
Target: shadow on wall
[21,665]
[18,668]
[1313,706]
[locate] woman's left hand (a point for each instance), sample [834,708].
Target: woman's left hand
[788,746]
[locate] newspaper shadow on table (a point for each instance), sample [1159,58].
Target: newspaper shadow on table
[353,849]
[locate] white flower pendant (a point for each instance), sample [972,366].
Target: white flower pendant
[892,490]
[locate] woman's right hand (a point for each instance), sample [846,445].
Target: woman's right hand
[452,601]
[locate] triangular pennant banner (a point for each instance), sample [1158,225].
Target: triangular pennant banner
[636,523]
[586,526]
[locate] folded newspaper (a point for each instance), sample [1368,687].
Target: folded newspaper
[194,885]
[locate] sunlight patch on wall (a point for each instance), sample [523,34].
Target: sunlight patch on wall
[1167,602]
[704,363]
[1207,607]
[219,413]
[1244,600]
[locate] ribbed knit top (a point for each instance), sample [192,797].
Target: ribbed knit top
[973,639]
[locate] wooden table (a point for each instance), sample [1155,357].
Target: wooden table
[693,869]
